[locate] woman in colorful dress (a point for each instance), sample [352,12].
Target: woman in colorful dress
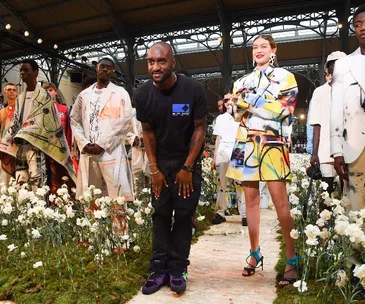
[265,102]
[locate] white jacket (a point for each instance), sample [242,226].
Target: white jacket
[347,127]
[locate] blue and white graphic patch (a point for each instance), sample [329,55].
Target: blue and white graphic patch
[181,109]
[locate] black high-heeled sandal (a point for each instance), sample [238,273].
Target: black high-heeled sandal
[259,263]
[294,262]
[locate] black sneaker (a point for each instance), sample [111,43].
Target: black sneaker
[244,221]
[218,219]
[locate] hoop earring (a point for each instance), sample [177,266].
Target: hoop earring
[272,59]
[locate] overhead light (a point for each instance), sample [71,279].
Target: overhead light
[8,26]
[40,40]
[339,25]
[26,33]
[65,52]
[55,46]
[301,116]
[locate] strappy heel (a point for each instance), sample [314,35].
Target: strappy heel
[259,263]
[294,262]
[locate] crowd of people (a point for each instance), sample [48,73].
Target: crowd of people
[43,140]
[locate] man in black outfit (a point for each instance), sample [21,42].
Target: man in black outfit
[172,110]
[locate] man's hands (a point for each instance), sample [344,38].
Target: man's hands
[158,180]
[314,160]
[93,149]
[341,167]
[185,180]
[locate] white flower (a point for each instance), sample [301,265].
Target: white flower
[12,247]
[311,231]
[48,213]
[305,183]
[136,248]
[147,210]
[146,190]
[301,285]
[41,192]
[324,186]
[325,215]
[359,271]
[311,242]
[4,222]
[137,214]
[35,234]
[23,254]
[69,212]
[11,190]
[292,188]
[105,252]
[130,211]
[38,264]
[97,191]
[139,220]
[341,278]
[137,203]
[120,200]
[52,197]
[200,218]
[125,237]
[201,203]
[62,191]
[100,214]
[320,222]
[3,237]
[339,210]
[295,212]
[355,233]
[294,234]
[293,199]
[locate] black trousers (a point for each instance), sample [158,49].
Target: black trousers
[172,219]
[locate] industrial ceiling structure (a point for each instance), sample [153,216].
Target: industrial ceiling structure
[211,38]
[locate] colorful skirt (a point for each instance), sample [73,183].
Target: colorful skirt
[260,157]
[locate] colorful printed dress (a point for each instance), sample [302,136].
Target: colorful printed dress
[265,107]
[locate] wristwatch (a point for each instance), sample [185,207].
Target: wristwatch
[187,168]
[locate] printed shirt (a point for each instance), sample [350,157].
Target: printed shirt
[270,103]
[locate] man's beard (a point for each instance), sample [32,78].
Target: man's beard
[164,76]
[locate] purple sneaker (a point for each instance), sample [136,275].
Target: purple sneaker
[178,281]
[154,282]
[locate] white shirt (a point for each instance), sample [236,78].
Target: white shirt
[96,96]
[320,111]
[27,105]
[226,127]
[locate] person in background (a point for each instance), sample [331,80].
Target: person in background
[63,111]
[225,130]
[36,138]
[320,106]
[6,116]
[347,128]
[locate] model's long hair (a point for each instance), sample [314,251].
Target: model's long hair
[272,43]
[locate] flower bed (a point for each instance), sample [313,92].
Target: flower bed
[93,250]
[331,243]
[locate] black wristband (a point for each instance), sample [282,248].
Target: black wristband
[187,168]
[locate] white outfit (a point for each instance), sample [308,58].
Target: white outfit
[139,162]
[103,117]
[226,128]
[319,115]
[348,122]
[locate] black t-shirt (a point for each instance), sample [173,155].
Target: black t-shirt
[171,114]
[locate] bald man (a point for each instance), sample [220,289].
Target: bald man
[172,110]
